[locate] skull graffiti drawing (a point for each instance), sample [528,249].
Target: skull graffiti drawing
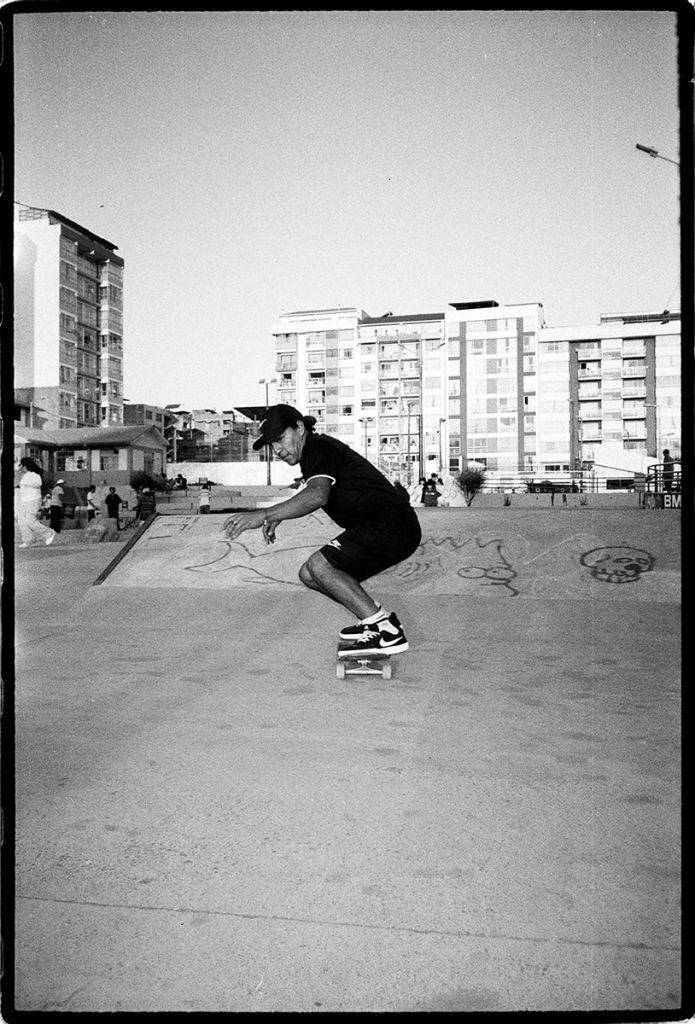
[619,564]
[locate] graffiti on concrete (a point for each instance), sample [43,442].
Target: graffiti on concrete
[618,564]
[481,561]
[269,564]
[439,565]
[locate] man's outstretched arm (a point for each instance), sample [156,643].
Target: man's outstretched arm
[311,498]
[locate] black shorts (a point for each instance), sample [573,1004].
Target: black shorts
[375,545]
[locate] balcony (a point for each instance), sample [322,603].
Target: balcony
[589,372]
[634,371]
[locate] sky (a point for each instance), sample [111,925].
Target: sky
[250,163]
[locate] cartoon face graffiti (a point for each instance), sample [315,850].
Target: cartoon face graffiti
[619,564]
[498,573]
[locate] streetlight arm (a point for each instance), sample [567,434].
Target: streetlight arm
[650,151]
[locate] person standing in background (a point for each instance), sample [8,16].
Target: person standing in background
[92,508]
[29,505]
[57,505]
[112,502]
[204,501]
[146,504]
[668,469]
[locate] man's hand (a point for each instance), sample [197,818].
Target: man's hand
[241,521]
[269,532]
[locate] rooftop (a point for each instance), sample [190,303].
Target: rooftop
[77,437]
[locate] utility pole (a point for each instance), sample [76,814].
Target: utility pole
[441,454]
[268,447]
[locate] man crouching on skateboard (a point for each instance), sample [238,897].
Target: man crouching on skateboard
[380,527]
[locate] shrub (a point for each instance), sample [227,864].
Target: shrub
[470,480]
[140,479]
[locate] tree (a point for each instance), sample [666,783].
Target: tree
[470,480]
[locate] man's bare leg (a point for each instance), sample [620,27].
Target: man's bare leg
[318,574]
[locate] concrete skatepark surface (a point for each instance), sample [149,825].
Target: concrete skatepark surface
[208,820]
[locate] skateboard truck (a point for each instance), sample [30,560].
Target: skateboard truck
[363,665]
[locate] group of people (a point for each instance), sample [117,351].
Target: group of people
[430,493]
[32,504]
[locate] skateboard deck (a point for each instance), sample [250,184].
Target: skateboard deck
[357,664]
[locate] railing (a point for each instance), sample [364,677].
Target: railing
[664,476]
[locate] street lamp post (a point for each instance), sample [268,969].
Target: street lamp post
[366,420]
[268,448]
[441,453]
[650,151]
[410,462]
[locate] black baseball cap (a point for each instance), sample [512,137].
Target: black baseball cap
[278,419]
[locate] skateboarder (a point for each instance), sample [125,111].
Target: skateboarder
[380,527]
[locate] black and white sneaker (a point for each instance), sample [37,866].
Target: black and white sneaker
[360,628]
[385,637]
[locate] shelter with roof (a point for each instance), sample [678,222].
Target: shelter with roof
[85,455]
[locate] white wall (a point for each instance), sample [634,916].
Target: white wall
[231,473]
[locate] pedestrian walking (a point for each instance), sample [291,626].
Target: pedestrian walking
[380,528]
[29,505]
[56,507]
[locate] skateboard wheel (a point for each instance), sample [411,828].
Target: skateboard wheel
[386,671]
[340,670]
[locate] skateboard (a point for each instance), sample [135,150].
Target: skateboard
[362,664]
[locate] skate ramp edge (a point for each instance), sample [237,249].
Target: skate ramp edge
[578,554]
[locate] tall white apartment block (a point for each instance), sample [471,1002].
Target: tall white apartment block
[492,372]
[485,383]
[68,328]
[377,383]
[316,363]
[609,387]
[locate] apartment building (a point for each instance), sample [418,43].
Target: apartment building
[205,435]
[138,413]
[68,328]
[608,389]
[377,383]
[492,353]
[486,383]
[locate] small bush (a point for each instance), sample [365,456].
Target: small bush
[140,479]
[470,480]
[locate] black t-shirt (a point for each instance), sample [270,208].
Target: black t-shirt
[112,502]
[359,491]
